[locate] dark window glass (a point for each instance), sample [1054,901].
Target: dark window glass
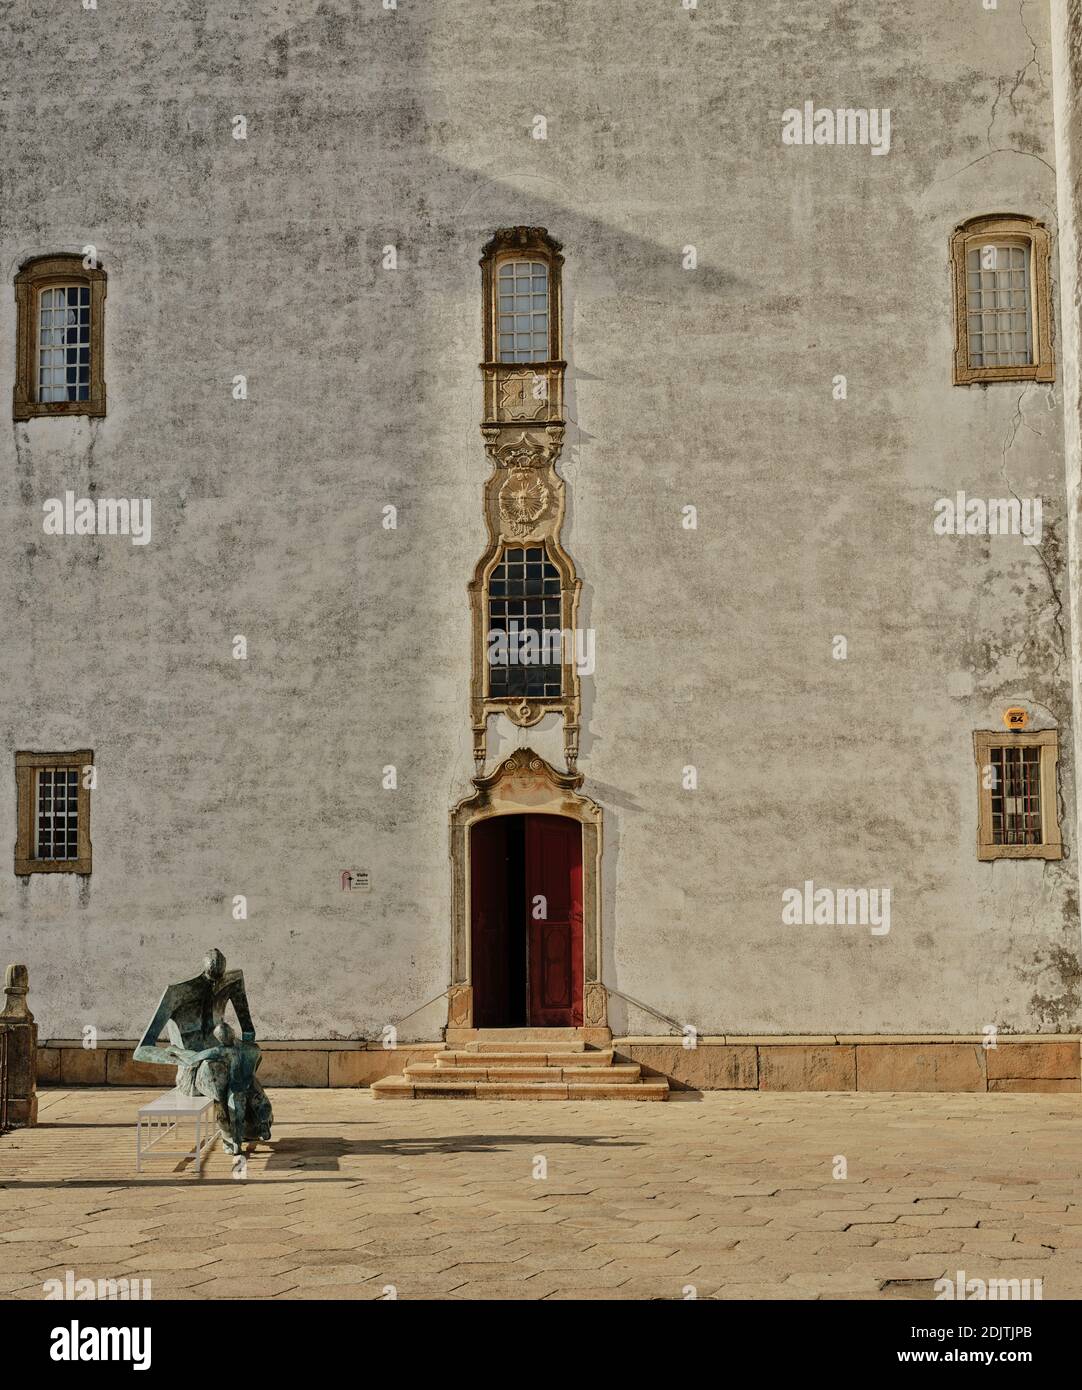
[516,607]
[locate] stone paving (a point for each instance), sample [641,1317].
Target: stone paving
[724,1195]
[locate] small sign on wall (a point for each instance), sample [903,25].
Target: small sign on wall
[354,880]
[1015,717]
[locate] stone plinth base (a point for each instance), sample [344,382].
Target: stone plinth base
[830,1062]
[863,1062]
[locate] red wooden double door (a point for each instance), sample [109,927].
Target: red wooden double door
[526,922]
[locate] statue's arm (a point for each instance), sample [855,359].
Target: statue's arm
[148,1049]
[239,995]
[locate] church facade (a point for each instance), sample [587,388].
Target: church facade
[592,546]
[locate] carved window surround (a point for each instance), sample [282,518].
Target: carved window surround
[524,501]
[50,272]
[523,392]
[1004,229]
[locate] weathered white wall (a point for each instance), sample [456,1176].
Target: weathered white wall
[710,387]
[1066,38]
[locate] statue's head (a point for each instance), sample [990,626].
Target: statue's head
[214,965]
[225,1035]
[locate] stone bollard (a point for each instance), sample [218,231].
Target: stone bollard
[22,1034]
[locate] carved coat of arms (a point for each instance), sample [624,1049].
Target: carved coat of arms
[524,499]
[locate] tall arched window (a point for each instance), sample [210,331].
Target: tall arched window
[524,592]
[60,310]
[1002,300]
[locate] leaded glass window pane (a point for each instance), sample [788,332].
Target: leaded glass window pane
[524,596]
[64,343]
[999,310]
[522,306]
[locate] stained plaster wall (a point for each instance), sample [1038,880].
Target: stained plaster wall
[710,387]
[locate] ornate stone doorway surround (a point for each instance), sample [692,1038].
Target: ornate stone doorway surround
[525,783]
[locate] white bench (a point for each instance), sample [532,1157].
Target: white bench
[158,1120]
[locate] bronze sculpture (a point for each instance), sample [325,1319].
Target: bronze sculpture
[203,1048]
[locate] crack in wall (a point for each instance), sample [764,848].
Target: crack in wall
[998,149]
[1034,60]
[1019,78]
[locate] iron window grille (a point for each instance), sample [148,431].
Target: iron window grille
[56,829]
[1017,798]
[53,812]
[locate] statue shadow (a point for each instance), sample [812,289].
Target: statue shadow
[323,1154]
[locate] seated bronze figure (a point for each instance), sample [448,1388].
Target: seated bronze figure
[204,1050]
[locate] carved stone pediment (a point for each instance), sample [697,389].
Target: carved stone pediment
[527,451]
[527,772]
[523,240]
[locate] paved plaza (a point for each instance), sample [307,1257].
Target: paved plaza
[723,1195]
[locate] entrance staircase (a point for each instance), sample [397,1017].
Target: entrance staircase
[522,1064]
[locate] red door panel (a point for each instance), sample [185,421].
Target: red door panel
[554,920]
[488,923]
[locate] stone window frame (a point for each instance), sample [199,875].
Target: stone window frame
[979,231]
[27,765]
[50,272]
[521,244]
[502,379]
[524,710]
[1047,740]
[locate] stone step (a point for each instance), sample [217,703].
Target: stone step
[569,1044]
[416,1072]
[400,1088]
[551,1057]
[503,1036]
